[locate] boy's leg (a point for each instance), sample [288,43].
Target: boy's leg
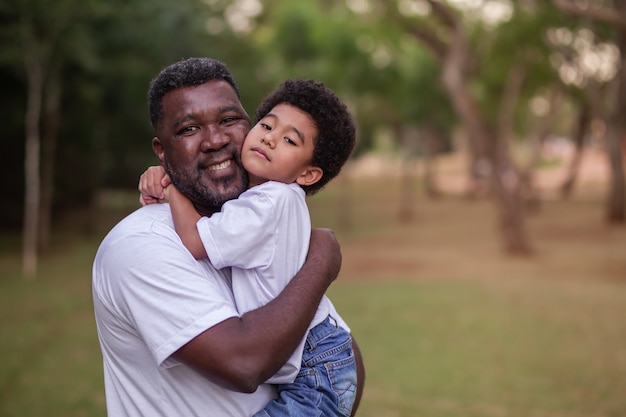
[327,382]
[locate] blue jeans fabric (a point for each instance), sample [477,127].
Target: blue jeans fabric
[326,383]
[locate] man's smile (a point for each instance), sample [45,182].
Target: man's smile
[220,165]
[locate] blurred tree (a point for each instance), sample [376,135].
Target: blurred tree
[34,31]
[86,66]
[612,107]
[352,53]
[581,131]
[491,88]
[448,36]
[316,40]
[413,68]
[425,108]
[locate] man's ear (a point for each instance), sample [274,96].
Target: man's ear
[157,148]
[310,175]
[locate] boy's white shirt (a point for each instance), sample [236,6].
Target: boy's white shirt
[264,236]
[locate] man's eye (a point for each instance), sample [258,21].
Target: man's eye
[187,130]
[230,120]
[266,126]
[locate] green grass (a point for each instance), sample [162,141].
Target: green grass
[51,363]
[448,326]
[476,349]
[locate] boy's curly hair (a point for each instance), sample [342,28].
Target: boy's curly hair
[336,133]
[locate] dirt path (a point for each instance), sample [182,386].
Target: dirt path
[452,169]
[456,238]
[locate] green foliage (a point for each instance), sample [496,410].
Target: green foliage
[106,52]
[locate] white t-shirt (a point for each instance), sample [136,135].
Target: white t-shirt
[264,236]
[151,297]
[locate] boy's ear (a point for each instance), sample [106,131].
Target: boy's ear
[310,175]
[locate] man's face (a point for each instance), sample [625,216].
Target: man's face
[199,143]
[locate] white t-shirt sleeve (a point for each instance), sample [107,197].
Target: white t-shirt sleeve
[160,291]
[243,233]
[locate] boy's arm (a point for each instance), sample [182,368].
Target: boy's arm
[154,186]
[185,218]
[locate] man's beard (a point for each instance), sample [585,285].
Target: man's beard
[207,199]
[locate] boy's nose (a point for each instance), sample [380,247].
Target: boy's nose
[268,140]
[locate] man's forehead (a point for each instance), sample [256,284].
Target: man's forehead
[213,89]
[210,102]
[216,97]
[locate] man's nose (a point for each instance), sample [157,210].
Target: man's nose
[214,138]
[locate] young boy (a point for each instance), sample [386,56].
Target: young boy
[303,136]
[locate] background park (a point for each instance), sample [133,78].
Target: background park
[481,218]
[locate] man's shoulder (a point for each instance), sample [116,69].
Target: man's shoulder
[151,220]
[145,217]
[146,240]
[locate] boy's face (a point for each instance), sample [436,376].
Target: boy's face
[280,148]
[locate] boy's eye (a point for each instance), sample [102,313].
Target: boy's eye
[266,126]
[289,141]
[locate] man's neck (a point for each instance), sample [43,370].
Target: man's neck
[205,211]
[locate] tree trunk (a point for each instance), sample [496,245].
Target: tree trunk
[406,212]
[431,138]
[506,190]
[504,181]
[616,127]
[344,206]
[34,73]
[543,128]
[584,119]
[48,151]
[616,131]
[616,203]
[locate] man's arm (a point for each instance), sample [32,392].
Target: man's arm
[240,353]
[360,376]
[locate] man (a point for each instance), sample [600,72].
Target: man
[173,343]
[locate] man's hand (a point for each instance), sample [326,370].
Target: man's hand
[152,184]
